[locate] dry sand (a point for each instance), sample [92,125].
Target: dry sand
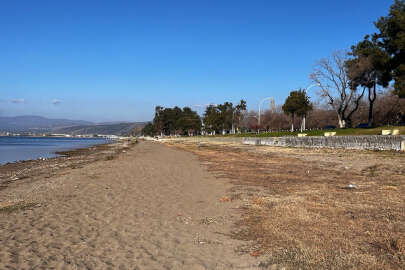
[151,207]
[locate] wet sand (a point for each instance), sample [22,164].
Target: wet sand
[150,207]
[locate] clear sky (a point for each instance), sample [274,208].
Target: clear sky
[116,60]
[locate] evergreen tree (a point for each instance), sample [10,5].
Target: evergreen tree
[297,103]
[367,68]
[212,119]
[392,39]
[174,121]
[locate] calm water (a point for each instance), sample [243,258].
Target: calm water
[24,148]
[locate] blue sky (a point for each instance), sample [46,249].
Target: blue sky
[117,60]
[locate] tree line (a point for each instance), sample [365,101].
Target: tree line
[176,121]
[365,85]
[348,81]
[223,118]
[173,121]
[345,79]
[388,110]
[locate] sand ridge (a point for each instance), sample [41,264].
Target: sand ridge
[152,207]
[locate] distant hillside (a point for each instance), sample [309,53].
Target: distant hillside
[36,123]
[105,129]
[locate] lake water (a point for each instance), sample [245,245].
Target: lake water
[25,148]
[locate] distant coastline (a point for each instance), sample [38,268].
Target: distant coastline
[87,136]
[22,148]
[41,126]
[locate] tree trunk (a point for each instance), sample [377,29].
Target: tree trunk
[348,117]
[341,122]
[303,123]
[372,95]
[349,123]
[370,115]
[292,122]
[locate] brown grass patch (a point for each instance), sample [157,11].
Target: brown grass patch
[9,207]
[303,216]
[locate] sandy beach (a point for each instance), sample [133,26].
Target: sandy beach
[145,207]
[177,205]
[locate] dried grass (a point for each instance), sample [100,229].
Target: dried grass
[9,207]
[304,216]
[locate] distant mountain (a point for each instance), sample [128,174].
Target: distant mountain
[105,129]
[28,123]
[38,124]
[114,122]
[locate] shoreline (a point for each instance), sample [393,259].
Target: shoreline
[74,158]
[57,153]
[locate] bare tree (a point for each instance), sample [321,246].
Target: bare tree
[332,78]
[389,108]
[249,121]
[275,119]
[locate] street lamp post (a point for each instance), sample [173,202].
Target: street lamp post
[304,118]
[312,85]
[233,126]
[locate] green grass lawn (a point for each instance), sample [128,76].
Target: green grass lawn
[339,132]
